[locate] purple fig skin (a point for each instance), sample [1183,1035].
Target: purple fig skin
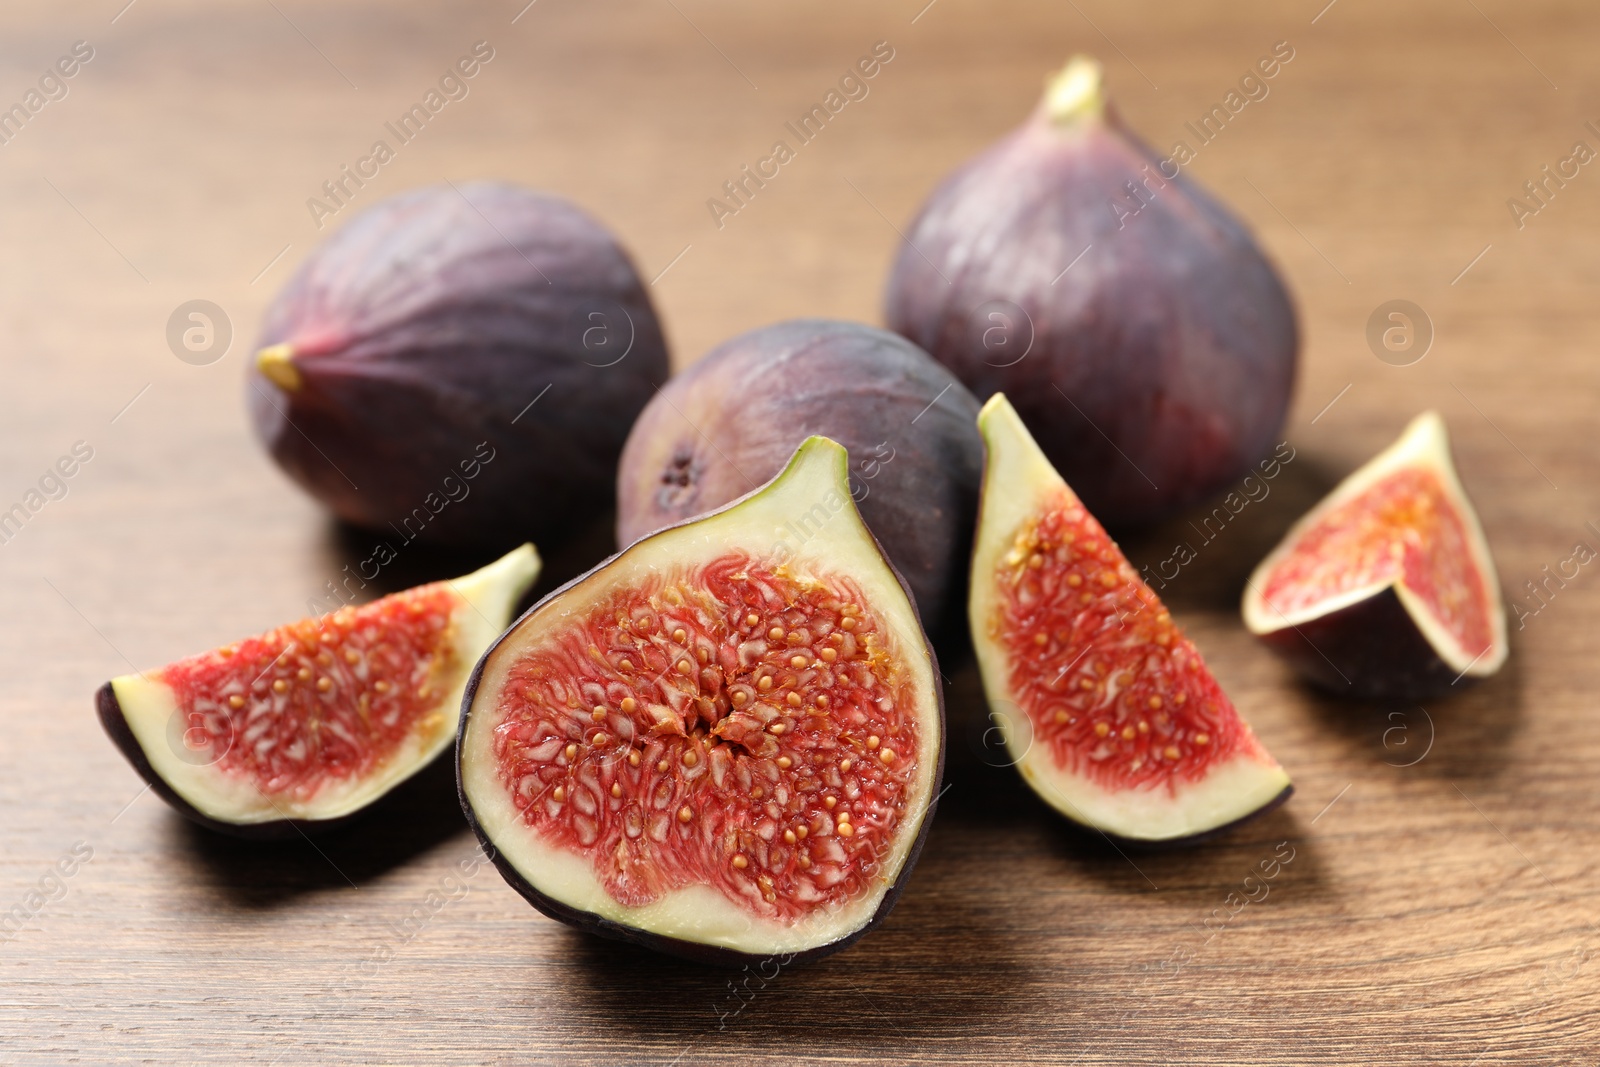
[730,422]
[1369,650]
[1160,365]
[422,331]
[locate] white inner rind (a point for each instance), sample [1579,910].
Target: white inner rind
[762,525]
[1228,792]
[486,599]
[1018,483]
[1425,443]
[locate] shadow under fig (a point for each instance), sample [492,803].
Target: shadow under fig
[1463,734]
[416,816]
[1208,867]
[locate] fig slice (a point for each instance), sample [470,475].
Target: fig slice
[304,725]
[1386,589]
[1107,709]
[724,742]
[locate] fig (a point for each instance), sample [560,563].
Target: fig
[1137,326]
[1386,589]
[719,744]
[1106,708]
[300,727]
[731,421]
[459,364]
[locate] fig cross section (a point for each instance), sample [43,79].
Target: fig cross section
[319,701]
[721,743]
[1403,529]
[738,729]
[1386,589]
[308,723]
[1112,687]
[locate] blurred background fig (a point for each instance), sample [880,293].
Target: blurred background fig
[460,364]
[730,422]
[1136,326]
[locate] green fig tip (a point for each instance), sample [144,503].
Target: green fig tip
[277,364]
[1076,92]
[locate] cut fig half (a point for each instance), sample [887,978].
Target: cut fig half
[1106,708]
[304,725]
[1386,589]
[722,743]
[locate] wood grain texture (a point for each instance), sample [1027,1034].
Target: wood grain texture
[1439,913]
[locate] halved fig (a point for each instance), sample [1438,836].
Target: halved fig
[1386,589]
[1106,707]
[306,724]
[722,743]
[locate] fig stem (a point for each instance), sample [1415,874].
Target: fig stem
[277,363]
[1076,92]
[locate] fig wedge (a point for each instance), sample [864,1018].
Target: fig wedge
[1107,709]
[1386,589]
[300,727]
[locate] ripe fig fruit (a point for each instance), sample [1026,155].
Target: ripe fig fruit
[1106,707]
[1386,589]
[720,743]
[1131,318]
[460,365]
[732,420]
[297,728]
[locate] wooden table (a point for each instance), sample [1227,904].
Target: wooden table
[1441,912]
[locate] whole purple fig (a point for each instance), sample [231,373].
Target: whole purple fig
[460,365]
[731,421]
[1134,323]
